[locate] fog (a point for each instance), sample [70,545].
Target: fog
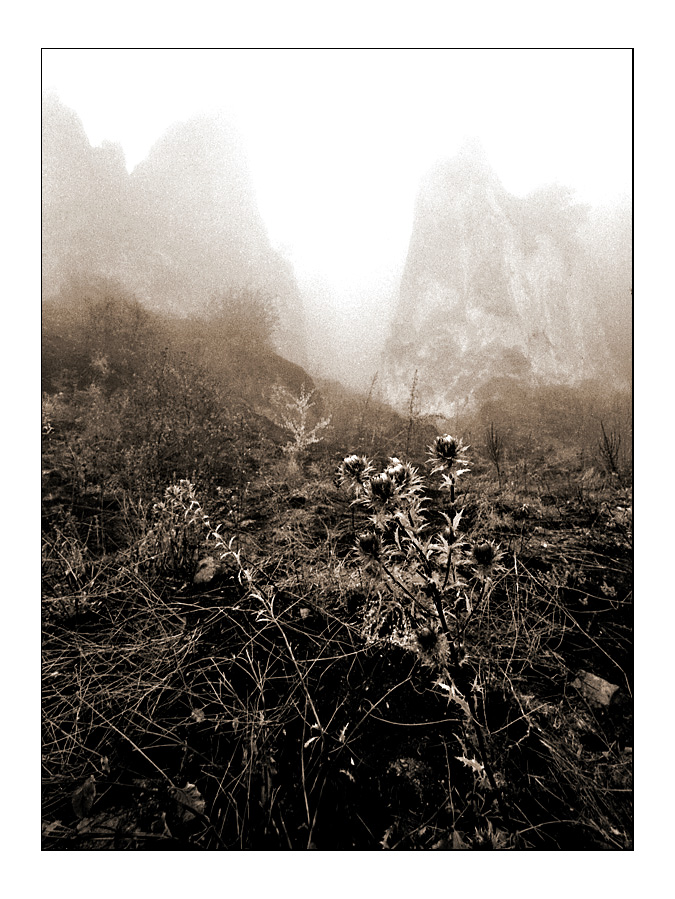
[333,148]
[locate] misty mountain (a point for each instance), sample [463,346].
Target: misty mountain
[86,200]
[182,230]
[498,289]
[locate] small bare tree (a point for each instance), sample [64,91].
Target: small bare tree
[293,414]
[364,410]
[494,447]
[609,450]
[413,413]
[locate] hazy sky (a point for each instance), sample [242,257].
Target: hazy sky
[338,140]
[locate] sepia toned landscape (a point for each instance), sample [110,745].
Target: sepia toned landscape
[331,564]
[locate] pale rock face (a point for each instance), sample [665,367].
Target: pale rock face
[496,287]
[182,228]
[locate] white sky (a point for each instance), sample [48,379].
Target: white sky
[338,140]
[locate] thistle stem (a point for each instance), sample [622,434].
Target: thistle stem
[396,581]
[483,752]
[448,567]
[441,613]
[473,606]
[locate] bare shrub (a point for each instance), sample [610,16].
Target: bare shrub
[494,447]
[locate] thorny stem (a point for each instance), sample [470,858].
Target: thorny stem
[433,587]
[484,753]
[473,608]
[449,566]
[482,748]
[435,596]
[396,581]
[441,613]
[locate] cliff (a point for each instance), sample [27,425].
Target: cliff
[182,230]
[499,289]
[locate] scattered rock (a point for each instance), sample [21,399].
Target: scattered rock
[247,523]
[208,570]
[598,692]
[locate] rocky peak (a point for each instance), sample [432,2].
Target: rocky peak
[494,287]
[199,168]
[183,228]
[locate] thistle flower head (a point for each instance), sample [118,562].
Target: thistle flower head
[446,448]
[354,465]
[432,647]
[369,545]
[404,476]
[446,452]
[381,488]
[427,638]
[483,553]
[485,556]
[396,470]
[353,471]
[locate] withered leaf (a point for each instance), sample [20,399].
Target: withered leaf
[83,797]
[189,800]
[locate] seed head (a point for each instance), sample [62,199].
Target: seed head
[446,452]
[368,544]
[483,553]
[446,448]
[485,556]
[432,646]
[396,470]
[404,476]
[427,638]
[353,470]
[382,488]
[354,465]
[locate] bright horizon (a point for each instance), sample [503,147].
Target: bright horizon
[338,141]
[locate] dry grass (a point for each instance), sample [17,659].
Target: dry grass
[254,713]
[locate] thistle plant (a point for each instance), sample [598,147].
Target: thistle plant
[445,456]
[426,578]
[486,556]
[353,473]
[413,555]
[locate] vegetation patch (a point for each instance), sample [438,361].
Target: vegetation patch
[266,626]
